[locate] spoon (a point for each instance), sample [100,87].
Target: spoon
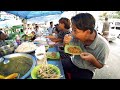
[40,54]
[1,59]
[18,77]
[5,60]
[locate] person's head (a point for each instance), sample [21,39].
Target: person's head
[33,24]
[33,32]
[64,23]
[56,28]
[2,36]
[51,24]
[28,25]
[36,28]
[106,19]
[83,25]
[56,25]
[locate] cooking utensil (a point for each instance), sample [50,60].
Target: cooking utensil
[4,60]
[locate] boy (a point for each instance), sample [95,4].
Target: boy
[95,48]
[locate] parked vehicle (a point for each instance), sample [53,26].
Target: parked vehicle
[115,25]
[112,35]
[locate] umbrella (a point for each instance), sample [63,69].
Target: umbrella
[31,14]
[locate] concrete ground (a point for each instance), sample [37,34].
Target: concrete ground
[112,68]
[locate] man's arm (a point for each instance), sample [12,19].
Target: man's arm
[56,39]
[90,58]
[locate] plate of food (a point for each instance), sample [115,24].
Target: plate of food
[53,55]
[26,47]
[74,50]
[46,71]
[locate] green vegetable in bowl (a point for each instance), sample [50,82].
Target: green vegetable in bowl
[19,64]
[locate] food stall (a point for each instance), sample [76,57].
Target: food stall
[19,61]
[24,60]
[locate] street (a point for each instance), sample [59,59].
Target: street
[112,68]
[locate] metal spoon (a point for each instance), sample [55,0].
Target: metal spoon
[18,77]
[40,54]
[1,59]
[5,60]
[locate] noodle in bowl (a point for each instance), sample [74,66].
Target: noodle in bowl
[44,71]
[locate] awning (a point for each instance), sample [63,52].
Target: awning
[31,14]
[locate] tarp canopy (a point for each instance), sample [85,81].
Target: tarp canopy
[10,23]
[32,14]
[3,19]
[43,19]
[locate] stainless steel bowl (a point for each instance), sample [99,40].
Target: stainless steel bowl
[26,55]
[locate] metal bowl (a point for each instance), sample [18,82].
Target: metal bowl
[26,51]
[26,55]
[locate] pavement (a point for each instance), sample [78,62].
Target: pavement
[112,68]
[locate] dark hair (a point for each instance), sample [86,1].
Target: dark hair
[56,28]
[36,26]
[84,21]
[106,18]
[56,25]
[51,22]
[66,22]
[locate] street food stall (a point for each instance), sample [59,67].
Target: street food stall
[26,57]
[24,60]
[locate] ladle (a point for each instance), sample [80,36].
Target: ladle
[5,60]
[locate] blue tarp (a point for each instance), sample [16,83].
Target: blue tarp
[31,14]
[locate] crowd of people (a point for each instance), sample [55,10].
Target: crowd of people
[95,47]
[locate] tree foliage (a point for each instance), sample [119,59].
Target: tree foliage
[115,15]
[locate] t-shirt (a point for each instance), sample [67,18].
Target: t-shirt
[99,49]
[38,33]
[61,35]
[50,30]
[106,26]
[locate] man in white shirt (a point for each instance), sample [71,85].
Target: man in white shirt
[38,31]
[50,29]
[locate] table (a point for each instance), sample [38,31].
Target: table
[58,63]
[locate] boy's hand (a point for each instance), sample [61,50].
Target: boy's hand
[87,56]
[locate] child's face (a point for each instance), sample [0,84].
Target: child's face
[79,34]
[61,26]
[33,33]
